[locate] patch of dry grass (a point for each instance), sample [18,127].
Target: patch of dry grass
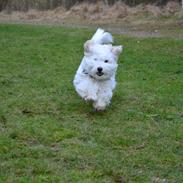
[100,11]
[142,17]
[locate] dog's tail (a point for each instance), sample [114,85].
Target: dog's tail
[102,37]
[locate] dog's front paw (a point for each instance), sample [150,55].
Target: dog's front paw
[90,98]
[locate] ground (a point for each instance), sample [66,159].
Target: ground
[48,134]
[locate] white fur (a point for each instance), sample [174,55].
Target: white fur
[91,84]
[102,37]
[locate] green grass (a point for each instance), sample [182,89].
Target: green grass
[48,134]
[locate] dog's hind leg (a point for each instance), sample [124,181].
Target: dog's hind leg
[103,100]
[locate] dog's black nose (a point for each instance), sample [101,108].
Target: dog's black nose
[99,69]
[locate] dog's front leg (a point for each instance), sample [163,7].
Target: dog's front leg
[91,91]
[87,89]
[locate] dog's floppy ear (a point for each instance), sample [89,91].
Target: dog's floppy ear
[88,46]
[117,50]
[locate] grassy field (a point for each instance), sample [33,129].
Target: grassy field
[48,134]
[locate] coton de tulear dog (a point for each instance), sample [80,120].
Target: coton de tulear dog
[95,78]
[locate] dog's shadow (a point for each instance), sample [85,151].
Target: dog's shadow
[85,108]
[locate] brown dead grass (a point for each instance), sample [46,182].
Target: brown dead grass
[119,15]
[99,11]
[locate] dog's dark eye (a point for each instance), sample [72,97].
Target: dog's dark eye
[95,59]
[106,61]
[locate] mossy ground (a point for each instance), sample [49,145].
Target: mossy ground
[48,134]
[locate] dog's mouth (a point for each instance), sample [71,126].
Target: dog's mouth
[100,73]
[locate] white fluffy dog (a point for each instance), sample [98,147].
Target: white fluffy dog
[95,78]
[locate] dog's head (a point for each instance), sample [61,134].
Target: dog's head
[101,60]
